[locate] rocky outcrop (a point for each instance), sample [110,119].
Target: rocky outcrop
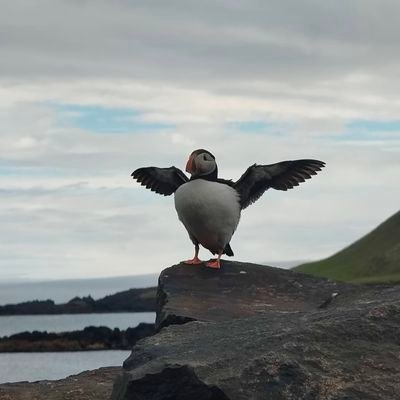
[254,332]
[89,385]
[132,300]
[90,338]
[238,290]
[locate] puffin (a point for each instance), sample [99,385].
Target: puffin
[209,207]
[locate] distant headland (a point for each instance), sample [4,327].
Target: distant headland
[132,300]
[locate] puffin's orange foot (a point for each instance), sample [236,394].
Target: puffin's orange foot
[213,264]
[193,261]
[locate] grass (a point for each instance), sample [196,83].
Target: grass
[375,258]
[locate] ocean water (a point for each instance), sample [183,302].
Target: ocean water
[15,367]
[31,367]
[70,322]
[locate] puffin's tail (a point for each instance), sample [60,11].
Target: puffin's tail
[228,251]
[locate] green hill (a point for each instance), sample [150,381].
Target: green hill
[372,259]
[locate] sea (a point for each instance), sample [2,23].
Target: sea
[31,367]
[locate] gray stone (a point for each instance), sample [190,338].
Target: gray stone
[266,334]
[237,290]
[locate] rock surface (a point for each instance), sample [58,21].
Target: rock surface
[238,290]
[254,332]
[89,385]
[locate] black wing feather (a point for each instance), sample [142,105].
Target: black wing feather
[163,181]
[281,176]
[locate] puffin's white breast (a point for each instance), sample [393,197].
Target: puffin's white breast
[209,210]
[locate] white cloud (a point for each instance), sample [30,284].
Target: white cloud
[68,206]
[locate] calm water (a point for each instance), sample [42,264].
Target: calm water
[15,367]
[68,322]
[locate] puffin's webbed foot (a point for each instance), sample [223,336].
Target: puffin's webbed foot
[193,261]
[214,264]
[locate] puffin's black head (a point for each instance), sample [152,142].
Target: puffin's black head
[202,163]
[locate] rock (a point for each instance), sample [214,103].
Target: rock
[131,300]
[90,338]
[266,334]
[89,385]
[237,290]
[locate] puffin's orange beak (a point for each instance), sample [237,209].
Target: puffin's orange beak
[189,165]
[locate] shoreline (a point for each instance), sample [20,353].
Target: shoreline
[88,339]
[131,300]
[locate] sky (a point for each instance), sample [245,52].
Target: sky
[90,90]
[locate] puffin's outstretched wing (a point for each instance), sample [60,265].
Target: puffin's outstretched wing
[281,176]
[163,181]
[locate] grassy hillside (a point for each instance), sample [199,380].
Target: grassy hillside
[374,258]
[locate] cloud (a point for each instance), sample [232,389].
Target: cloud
[183,41]
[91,90]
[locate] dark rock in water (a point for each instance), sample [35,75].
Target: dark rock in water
[266,333]
[90,338]
[131,300]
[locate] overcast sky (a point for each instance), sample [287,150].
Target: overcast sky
[91,90]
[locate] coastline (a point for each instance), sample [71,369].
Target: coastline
[132,300]
[89,339]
